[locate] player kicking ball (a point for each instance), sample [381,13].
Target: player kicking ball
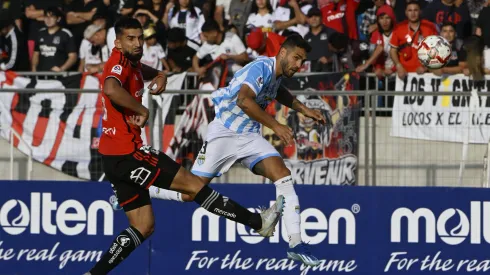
[133,168]
[234,134]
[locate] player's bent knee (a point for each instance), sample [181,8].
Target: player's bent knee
[187,183]
[145,228]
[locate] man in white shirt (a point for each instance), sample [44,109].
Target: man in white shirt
[225,46]
[291,17]
[93,50]
[153,53]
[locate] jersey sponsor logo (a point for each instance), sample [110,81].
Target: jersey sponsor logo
[335,16]
[123,240]
[109,131]
[47,50]
[140,175]
[117,69]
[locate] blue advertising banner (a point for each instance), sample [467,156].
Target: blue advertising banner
[60,228]
[355,230]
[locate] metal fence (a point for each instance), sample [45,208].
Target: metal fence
[383,159]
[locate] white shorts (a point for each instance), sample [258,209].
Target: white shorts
[224,147]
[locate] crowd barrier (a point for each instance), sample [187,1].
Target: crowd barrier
[63,228]
[422,140]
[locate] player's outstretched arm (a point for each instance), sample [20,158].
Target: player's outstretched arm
[287,99]
[121,97]
[246,101]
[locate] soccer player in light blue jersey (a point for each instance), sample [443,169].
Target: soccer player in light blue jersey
[234,135]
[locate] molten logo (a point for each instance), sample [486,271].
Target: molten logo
[471,226]
[316,227]
[69,217]
[18,224]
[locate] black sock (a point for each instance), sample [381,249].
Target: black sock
[121,247]
[216,203]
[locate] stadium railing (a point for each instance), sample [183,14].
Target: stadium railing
[382,158]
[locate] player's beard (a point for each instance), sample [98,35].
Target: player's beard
[134,57]
[286,71]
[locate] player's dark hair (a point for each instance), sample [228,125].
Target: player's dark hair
[54,11]
[126,23]
[474,47]
[413,2]
[338,40]
[296,40]
[176,35]
[210,25]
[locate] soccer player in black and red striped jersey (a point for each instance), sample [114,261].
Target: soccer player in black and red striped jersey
[132,168]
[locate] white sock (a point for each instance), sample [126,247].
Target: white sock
[291,215]
[164,194]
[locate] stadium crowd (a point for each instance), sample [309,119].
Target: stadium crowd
[186,35]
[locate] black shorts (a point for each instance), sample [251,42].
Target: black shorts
[131,175]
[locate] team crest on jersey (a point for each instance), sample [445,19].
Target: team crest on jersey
[56,40]
[323,36]
[260,81]
[201,159]
[117,69]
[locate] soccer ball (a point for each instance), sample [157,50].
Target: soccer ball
[434,52]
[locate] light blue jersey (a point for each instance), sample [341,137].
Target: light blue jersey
[260,76]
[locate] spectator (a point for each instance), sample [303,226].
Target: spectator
[338,45]
[473,47]
[261,16]
[153,15]
[93,50]
[153,54]
[380,39]
[100,20]
[440,11]
[222,11]
[179,53]
[55,48]
[184,15]
[340,15]
[265,43]
[121,8]
[457,60]
[34,11]
[317,37]
[290,17]
[400,7]
[14,10]
[225,46]
[15,45]
[80,14]
[406,39]
[239,11]
[369,20]
[483,30]
[475,7]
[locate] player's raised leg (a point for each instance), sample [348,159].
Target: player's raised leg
[192,185]
[275,170]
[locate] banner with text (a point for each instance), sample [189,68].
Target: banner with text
[321,154]
[64,227]
[442,118]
